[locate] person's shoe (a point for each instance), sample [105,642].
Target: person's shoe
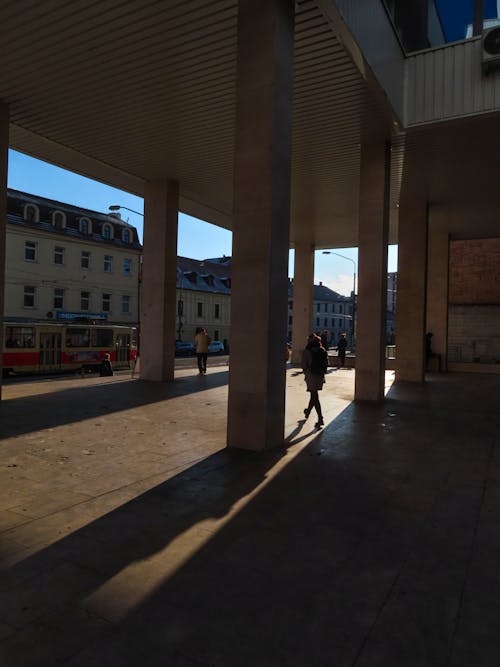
[306,413]
[319,423]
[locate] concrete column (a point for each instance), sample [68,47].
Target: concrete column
[372,271]
[259,294]
[4,152]
[303,298]
[437,290]
[411,301]
[158,295]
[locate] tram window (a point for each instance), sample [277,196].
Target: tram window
[77,337]
[19,337]
[102,338]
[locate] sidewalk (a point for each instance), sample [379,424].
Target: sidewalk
[131,536]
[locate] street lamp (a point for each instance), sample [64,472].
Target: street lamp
[117,207]
[353,310]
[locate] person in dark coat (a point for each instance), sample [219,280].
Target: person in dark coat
[341,348]
[106,367]
[314,365]
[325,339]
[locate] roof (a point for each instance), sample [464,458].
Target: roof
[203,275]
[16,201]
[322,293]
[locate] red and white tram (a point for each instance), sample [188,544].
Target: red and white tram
[49,348]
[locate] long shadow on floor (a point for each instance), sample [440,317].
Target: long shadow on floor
[31,413]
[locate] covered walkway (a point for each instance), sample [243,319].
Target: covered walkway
[130,535]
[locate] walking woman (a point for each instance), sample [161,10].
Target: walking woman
[314,365]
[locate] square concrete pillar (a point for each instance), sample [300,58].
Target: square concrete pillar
[4,152]
[372,271]
[159,273]
[259,294]
[412,274]
[303,298]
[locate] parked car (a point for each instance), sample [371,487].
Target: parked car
[216,347]
[183,349]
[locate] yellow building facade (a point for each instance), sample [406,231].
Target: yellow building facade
[203,298]
[63,262]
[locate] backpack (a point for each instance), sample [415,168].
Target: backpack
[319,362]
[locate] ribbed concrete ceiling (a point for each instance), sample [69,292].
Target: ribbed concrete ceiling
[128,90]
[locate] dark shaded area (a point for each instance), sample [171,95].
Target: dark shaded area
[377,545]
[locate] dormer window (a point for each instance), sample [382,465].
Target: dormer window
[58,220]
[31,213]
[85,226]
[209,279]
[226,282]
[126,236]
[191,276]
[107,231]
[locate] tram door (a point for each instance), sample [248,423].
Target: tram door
[50,351]
[122,344]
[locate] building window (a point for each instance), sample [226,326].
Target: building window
[58,255]
[290,305]
[216,334]
[326,307]
[106,303]
[58,220]
[127,266]
[107,232]
[317,321]
[318,307]
[217,311]
[84,300]
[85,259]
[290,320]
[29,296]
[31,213]
[125,304]
[30,251]
[126,236]
[58,297]
[108,263]
[199,308]
[326,321]
[85,226]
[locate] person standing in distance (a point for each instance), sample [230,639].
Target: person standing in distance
[314,365]
[341,347]
[201,341]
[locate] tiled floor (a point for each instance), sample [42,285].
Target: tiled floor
[130,536]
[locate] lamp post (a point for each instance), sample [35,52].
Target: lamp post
[353,296]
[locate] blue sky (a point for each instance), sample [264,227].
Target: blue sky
[457,14]
[196,239]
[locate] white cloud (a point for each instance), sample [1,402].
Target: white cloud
[340,282]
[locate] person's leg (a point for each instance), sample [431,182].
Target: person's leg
[317,406]
[307,411]
[205,362]
[200,365]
